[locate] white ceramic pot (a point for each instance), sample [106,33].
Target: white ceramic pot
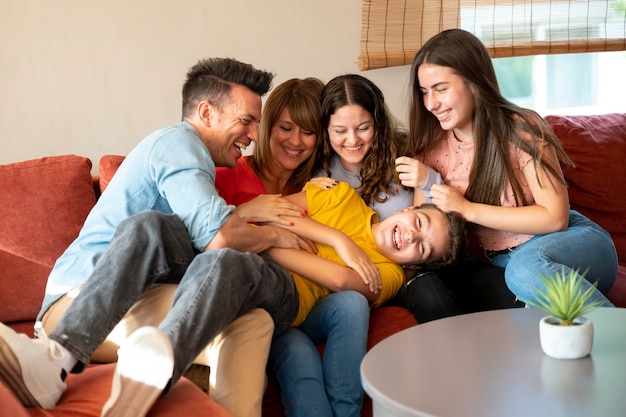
[566,342]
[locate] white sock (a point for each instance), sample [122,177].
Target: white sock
[67,362]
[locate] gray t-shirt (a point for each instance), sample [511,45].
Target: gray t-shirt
[394,203]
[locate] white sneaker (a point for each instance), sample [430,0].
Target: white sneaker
[144,366]
[31,368]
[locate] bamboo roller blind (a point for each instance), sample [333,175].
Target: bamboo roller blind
[392,31]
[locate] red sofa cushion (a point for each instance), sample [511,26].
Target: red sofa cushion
[87,392]
[108,166]
[44,203]
[9,405]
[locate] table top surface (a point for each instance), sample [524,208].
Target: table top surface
[491,364]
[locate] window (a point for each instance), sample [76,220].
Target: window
[587,83]
[562,56]
[393,30]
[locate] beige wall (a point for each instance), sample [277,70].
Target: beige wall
[94,77]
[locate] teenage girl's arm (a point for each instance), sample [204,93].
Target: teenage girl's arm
[352,255]
[415,174]
[324,272]
[550,213]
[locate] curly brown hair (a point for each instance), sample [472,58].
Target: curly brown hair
[378,170]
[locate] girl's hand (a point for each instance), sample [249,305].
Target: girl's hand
[354,257]
[270,208]
[412,172]
[448,198]
[324,182]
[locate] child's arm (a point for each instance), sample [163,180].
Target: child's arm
[353,256]
[322,271]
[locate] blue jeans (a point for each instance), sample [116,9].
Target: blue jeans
[214,288]
[312,386]
[584,245]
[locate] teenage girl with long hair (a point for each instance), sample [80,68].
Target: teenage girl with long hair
[501,168]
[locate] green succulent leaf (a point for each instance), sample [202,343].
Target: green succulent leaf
[563,297]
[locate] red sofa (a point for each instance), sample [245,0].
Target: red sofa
[597,145]
[44,202]
[384,321]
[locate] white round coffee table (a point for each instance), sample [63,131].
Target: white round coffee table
[490,364]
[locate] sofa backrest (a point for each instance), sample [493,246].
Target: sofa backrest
[597,185]
[43,204]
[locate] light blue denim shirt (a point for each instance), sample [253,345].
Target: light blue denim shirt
[170,171]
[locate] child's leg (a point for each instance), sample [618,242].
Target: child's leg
[341,320]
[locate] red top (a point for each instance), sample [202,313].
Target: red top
[240,184]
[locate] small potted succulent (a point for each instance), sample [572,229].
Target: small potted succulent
[565,333]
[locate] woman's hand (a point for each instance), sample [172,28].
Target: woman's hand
[412,172]
[270,208]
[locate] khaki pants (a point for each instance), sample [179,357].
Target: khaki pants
[236,357]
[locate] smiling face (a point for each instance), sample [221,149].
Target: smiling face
[232,128]
[351,133]
[447,96]
[290,145]
[413,236]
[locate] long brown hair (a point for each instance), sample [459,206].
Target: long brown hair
[302,98]
[497,123]
[378,170]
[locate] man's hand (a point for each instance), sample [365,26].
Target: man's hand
[289,240]
[240,235]
[270,208]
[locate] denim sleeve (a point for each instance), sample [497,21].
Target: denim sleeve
[433,178]
[184,174]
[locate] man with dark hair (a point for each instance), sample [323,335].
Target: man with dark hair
[171,173]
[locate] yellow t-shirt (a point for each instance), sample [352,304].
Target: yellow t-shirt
[342,208]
